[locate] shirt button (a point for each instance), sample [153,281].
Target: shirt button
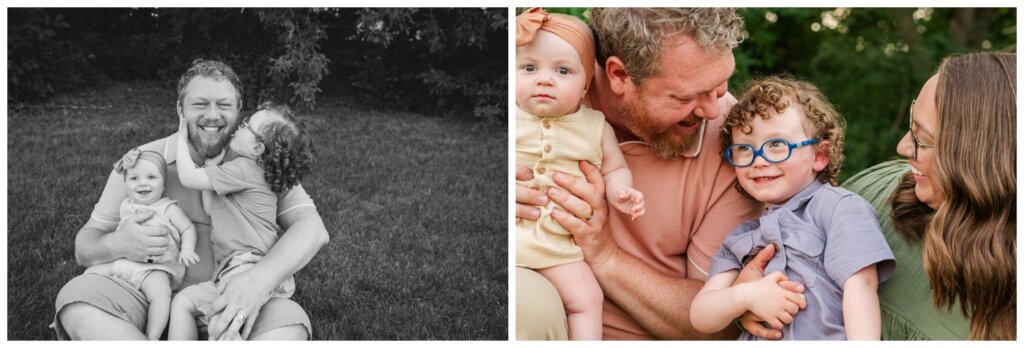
[546,123]
[547,148]
[541,170]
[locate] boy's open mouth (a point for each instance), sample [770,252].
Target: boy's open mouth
[765,179]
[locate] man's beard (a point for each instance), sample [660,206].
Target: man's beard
[209,148]
[658,137]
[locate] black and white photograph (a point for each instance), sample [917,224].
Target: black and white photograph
[257,174]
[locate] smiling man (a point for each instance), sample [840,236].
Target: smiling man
[661,81]
[98,307]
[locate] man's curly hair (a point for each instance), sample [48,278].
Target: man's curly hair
[288,152]
[770,96]
[639,35]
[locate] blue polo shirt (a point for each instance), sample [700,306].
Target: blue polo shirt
[824,234]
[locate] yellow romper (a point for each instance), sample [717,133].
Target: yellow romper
[546,145]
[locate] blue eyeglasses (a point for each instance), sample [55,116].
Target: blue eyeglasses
[773,150]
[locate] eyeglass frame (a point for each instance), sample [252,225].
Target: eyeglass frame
[760,151]
[245,125]
[913,136]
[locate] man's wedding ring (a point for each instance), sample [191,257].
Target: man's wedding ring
[241,317]
[149,259]
[589,216]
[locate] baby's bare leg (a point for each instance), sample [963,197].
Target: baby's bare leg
[183,319]
[157,288]
[582,296]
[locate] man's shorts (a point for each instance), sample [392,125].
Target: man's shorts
[540,314]
[121,300]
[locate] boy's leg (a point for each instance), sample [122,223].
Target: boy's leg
[183,319]
[157,287]
[582,296]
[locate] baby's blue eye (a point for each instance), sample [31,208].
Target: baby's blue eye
[563,71]
[529,68]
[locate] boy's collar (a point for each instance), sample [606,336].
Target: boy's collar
[800,199]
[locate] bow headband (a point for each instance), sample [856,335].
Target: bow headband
[569,28]
[134,155]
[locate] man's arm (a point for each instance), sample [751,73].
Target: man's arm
[659,302]
[246,292]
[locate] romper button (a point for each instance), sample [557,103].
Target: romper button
[541,170]
[546,123]
[547,148]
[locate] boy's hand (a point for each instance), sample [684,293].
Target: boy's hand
[141,215]
[630,201]
[773,303]
[188,257]
[182,126]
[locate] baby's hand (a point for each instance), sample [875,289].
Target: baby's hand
[630,201]
[141,215]
[773,303]
[188,257]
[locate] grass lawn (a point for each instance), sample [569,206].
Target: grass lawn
[416,207]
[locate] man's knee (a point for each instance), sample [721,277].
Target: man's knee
[80,321]
[285,333]
[540,314]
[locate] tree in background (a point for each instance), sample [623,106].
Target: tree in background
[869,62]
[424,60]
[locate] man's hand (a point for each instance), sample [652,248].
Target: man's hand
[242,294]
[527,199]
[141,242]
[754,271]
[585,212]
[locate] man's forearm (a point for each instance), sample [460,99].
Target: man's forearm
[93,246]
[660,303]
[304,237]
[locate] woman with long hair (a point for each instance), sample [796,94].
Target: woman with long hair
[949,210]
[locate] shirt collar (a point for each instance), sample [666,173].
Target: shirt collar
[801,198]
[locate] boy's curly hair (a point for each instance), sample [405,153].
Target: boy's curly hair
[289,149]
[770,96]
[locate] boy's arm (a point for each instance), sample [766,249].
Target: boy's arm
[190,175]
[861,314]
[717,303]
[618,178]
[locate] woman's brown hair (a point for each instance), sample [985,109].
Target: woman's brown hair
[970,243]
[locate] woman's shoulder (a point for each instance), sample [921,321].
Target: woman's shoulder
[877,183]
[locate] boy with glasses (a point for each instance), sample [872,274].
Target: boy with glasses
[785,141]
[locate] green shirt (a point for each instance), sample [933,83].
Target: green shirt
[906,302]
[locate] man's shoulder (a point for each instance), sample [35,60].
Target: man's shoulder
[158,145]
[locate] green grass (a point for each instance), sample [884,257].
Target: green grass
[415,206]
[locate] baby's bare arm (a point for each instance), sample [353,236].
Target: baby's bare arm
[619,179]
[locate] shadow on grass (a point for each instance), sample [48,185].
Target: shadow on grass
[415,206]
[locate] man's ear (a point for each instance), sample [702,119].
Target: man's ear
[821,157]
[177,107]
[618,77]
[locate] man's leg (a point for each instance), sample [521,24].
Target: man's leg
[540,314]
[287,333]
[281,319]
[83,322]
[93,306]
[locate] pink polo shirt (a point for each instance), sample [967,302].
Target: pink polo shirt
[691,207]
[106,210]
